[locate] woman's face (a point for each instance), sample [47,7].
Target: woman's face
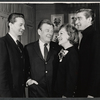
[63,37]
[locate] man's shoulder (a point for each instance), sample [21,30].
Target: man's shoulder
[55,46]
[96,36]
[95,32]
[31,44]
[3,39]
[91,32]
[3,42]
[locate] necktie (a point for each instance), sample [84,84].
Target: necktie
[20,46]
[45,51]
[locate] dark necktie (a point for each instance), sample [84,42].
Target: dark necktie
[20,46]
[45,51]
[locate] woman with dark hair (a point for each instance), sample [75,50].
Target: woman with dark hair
[66,78]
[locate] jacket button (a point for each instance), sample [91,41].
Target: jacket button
[46,72]
[45,62]
[22,84]
[21,56]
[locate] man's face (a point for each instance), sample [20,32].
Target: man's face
[46,33]
[18,26]
[81,21]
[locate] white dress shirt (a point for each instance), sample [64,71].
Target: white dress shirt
[41,45]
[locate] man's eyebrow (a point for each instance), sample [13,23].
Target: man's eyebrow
[79,17]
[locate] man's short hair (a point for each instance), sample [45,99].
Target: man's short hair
[88,13]
[45,21]
[13,16]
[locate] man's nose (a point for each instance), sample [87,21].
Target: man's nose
[58,36]
[23,27]
[76,21]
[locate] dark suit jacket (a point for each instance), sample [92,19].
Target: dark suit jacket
[11,68]
[39,69]
[89,71]
[67,74]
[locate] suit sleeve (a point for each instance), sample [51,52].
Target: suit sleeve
[94,82]
[4,76]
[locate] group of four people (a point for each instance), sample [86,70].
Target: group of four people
[49,69]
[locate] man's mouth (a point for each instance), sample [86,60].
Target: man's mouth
[22,31]
[49,36]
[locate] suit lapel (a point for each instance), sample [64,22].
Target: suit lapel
[50,53]
[11,41]
[37,49]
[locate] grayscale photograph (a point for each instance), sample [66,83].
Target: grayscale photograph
[49,50]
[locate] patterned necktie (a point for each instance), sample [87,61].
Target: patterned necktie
[20,46]
[45,51]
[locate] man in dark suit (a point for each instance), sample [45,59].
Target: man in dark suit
[89,55]
[40,66]
[11,58]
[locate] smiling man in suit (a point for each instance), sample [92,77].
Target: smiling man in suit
[40,56]
[89,55]
[12,59]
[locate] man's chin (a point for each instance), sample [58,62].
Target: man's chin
[20,33]
[49,39]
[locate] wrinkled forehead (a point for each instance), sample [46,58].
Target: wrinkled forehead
[80,15]
[46,26]
[19,20]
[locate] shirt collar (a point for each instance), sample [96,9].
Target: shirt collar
[13,37]
[42,43]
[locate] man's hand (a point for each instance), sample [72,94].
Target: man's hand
[64,96]
[30,82]
[89,96]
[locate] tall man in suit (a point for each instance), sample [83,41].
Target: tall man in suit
[40,66]
[89,55]
[11,58]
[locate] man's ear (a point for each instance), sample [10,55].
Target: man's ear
[10,24]
[90,19]
[39,32]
